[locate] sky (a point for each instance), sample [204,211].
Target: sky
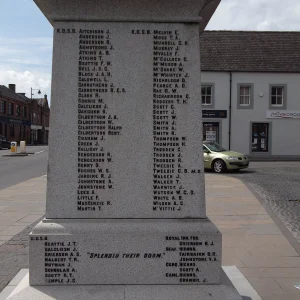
[26,37]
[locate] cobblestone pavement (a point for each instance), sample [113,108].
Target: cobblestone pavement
[278,183]
[14,256]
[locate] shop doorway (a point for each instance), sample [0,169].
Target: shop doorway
[260,137]
[211,131]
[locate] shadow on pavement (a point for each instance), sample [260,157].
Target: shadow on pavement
[251,171]
[243,172]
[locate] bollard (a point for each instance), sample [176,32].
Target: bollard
[13,148]
[22,147]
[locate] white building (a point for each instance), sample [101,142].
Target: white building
[250,82]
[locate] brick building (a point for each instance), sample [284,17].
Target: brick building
[40,115]
[14,114]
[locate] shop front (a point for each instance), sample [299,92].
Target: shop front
[15,129]
[211,131]
[212,120]
[260,137]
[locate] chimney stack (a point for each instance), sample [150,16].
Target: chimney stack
[12,87]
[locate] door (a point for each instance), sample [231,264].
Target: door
[211,131]
[260,137]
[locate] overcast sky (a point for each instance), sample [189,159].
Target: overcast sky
[26,35]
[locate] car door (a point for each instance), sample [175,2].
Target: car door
[206,157]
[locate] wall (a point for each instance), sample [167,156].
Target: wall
[17,121]
[221,101]
[284,139]
[284,133]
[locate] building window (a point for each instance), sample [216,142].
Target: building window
[245,96]
[34,118]
[3,107]
[24,112]
[12,130]
[207,91]
[278,97]
[10,109]
[18,110]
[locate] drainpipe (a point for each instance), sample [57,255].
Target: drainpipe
[229,113]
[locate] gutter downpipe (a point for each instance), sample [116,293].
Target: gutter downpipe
[230,102]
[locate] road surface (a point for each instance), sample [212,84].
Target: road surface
[14,170]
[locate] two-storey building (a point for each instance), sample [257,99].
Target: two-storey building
[250,98]
[40,115]
[14,115]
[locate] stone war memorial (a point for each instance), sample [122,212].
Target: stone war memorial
[125,214]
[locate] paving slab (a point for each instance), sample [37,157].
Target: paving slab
[252,240]
[21,205]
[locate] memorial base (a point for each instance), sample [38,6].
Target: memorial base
[224,291]
[125,251]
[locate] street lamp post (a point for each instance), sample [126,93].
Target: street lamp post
[31,94]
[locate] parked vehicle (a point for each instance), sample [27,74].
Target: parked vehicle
[4,143]
[219,159]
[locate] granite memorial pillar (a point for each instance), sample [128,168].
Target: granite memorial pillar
[125,197]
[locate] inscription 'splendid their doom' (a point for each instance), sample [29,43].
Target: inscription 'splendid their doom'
[135,114]
[172,259]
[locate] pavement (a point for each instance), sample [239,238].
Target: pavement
[277,183]
[254,239]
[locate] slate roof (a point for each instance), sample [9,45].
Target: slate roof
[24,97]
[250,51]
[8,93]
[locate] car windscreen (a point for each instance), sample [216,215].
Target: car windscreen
[214,147]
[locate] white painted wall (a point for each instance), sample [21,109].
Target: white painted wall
[285,133]
[221,100]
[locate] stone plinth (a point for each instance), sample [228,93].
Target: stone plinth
[177,252]
[124,292]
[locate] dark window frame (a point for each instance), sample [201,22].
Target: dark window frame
[12,130]
[3,107]
[18,110]
[10,108]
[24,111]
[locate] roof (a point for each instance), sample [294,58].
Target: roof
[8,93]
[250,51]
[43,102]
[22,95]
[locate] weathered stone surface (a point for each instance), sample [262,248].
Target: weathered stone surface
[125,138]
[224,291]
[125,252]
[129,10]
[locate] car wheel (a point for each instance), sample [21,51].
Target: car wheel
[219,166]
